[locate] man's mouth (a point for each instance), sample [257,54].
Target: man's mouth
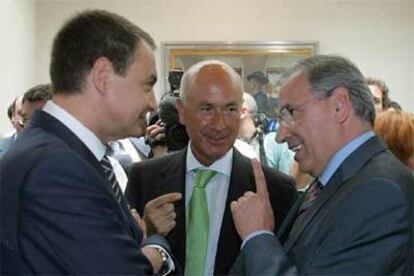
[296,148]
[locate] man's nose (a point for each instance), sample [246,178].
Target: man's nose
[218,120]
[152,102]
[282,133]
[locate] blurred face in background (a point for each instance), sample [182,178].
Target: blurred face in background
[28,108]
[17,119]
[377,97]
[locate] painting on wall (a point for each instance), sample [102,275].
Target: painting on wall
[269,58]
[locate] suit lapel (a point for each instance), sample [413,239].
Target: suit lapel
[241,180]
[52,125]
[351,165]
[287,223]
[173,176]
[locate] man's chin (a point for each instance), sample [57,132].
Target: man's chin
[139,129]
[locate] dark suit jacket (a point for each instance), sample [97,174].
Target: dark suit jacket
[5,143]
[360,224]
[152,178]
[58,213]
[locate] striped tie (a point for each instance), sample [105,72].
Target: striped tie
[110,175]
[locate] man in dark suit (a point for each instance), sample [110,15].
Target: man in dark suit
[357,218]
[209,107]
[61,208]
[14,114]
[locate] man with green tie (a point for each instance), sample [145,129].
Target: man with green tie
[209,172]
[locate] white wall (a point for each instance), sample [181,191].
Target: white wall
[376,34]
[17,50]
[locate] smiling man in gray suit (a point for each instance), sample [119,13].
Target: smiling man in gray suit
[356,218]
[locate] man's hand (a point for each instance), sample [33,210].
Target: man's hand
[159,214]
[140,222]
[154,257]
[252,211]
[155,133]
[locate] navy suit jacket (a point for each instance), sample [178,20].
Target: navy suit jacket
[5,143]
[154,177]
[360,224]
[58,212]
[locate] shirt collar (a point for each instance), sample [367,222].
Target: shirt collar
[222,165]
[342,154]
[91,141]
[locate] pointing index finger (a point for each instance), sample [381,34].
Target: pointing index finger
[260,181]
[165,199]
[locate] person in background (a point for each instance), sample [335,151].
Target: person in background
[269,88]
[204,239]
[380,94]
[272,154]
[62,211]
[302,180]
[395,105]
[356,218]
[256,82]
[14,114]
[34,98]
[396,128]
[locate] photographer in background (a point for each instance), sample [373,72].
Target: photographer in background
[165,133]
[254,129]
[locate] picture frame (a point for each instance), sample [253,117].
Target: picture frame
[270,57]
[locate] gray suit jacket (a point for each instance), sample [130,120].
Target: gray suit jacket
[361,223]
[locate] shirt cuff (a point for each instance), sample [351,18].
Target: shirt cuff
[255,234]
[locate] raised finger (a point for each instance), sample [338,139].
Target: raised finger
[261,187]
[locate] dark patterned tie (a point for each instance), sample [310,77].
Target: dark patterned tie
[110,175]
[311,194]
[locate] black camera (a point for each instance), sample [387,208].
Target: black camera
[264,123]
[176,137]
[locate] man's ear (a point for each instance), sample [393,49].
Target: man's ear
[180,109]
[243,113]
[101,73]
[341,104]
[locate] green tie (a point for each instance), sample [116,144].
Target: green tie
[197,225]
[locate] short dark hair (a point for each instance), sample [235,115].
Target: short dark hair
[87,37]
[259,76]
[41,92]
[11,109]
[386,101]
[327,72]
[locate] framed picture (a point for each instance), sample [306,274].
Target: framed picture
[270,58]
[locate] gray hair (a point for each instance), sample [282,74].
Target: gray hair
[250,103]
[190,76]
[326,72]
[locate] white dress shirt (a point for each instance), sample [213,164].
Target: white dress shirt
[90,140]
[216,193]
